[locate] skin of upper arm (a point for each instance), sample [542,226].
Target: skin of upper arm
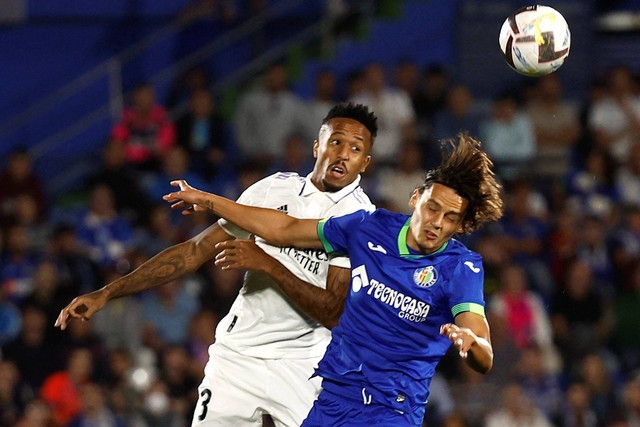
[338,283]
[302,233]
[475,322]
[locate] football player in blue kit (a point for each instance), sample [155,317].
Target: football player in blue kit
[415,289]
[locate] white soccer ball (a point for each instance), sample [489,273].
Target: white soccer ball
[535,40]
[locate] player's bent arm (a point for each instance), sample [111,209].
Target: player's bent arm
[168,265]
[480,352]
[324,305]
[276,227]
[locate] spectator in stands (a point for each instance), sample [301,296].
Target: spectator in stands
[431,98]
[580,317]
[76,271]
[509,137]
[46,293]
[556,126]
[266,115]
[175,165]
[159,232]
[517,409]
[295,157]
[625,246]
[62,390]
[202,332]
[94,410]
[36,414]
[396,116]
[122,179]
[202,132]
[18,265]
[630,407]
[105,235]
[186,84]
[563,241]
[626,314]
[615,119]
[523,232]
[120,324]
[627,176]
[145,129]
[541,382]
[524,313]
[324,97]
[396,182]
[83,335]
[598,377]
[166,314]
[577,409]
[10,320]
[14,397]
[181,380]
[593,248]
[28,349]
[591,188]
[18,178]
[458,114]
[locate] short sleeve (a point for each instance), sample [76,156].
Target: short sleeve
[466,289]
[255,195]
[334,232]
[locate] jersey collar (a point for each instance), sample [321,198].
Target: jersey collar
[309,188]
[405,251]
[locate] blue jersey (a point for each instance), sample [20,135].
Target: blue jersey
[388,337]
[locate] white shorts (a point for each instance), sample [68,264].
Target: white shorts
[237,390]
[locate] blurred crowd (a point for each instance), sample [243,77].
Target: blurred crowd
[562,266]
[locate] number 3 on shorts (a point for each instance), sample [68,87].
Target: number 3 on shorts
[205,394]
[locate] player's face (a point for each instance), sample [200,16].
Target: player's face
[341,152]
[437,215]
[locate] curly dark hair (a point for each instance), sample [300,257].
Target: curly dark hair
[468,170]
[358,112]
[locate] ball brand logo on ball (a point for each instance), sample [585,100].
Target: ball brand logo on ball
[425,277]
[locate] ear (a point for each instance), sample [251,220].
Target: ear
[413,200]
[316,144]
[365,164]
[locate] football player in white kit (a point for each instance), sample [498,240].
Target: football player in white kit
[269,343]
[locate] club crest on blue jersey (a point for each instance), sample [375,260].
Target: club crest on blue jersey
[425,277]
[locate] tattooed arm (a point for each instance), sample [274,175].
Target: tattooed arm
[170,264]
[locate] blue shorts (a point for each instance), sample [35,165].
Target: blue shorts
[347,405]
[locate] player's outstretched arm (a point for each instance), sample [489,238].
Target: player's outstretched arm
[470,335]
[324,305]
[276,227]
[168,265]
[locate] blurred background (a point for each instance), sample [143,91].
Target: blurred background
[104,103]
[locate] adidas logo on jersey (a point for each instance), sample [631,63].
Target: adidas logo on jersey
[284,208]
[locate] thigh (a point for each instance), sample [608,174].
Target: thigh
[232,392]
[291,390]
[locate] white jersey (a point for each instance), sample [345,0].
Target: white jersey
[262,321]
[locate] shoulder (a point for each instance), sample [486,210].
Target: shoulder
[462,253]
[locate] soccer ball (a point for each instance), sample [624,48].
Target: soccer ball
[535,40]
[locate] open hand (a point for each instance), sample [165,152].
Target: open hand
[241,254]
[462,338]
[188,199]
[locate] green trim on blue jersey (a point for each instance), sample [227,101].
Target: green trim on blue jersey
[323,239]
[467,306]
[404,250]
